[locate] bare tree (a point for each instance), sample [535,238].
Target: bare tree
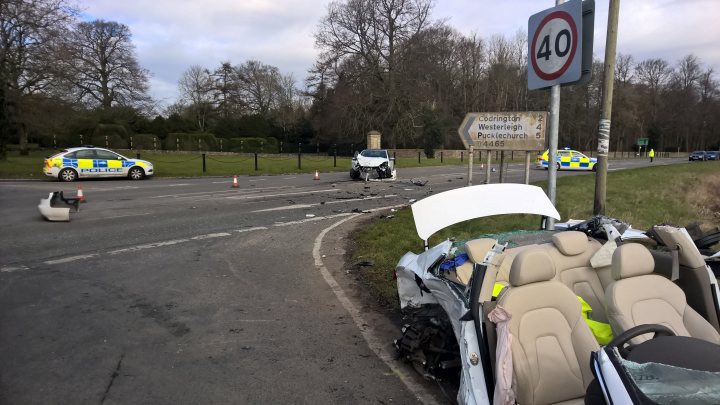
[196,88]
[258,85]
[370,33]
[623,69]
[103,68]
[30,31]
[653,73]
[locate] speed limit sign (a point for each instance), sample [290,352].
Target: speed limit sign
[555,45]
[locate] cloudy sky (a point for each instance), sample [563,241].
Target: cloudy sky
[172,35]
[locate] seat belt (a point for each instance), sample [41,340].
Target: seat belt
[675,263]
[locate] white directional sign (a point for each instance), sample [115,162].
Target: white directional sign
[555,45]
[504,130]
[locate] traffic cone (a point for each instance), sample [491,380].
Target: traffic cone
[317,175]
[80,195]
[235,182]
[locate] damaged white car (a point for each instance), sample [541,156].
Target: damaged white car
[371,164]
[594,312]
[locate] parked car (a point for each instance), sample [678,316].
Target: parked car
[567,159]
[711,155]
[697,155]
[89,162]
[583,313]
[373,164]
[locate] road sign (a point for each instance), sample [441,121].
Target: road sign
[555,45]
[504,130]
[642,141]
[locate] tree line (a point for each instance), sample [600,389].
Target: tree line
[382,65]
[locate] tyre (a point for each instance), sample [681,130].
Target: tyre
[594,168]
[558,166]
[354,174]
[67,175]
[136,173]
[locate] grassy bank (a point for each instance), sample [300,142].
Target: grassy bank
[677,194]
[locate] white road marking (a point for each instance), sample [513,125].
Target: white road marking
[178,185]
[210,236]
[287,207]
[120,216]
[154,245]
[71,259]
[352,199]
[194,194]
[256,228]
[9,269]
[374,343]
[148,246]
[302,221]
[281,194]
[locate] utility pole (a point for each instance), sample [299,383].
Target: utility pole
[604,126]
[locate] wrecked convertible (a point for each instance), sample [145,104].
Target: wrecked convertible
[593,312]
[373,164]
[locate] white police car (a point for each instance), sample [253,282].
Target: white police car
[92,162]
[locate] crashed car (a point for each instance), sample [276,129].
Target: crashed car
[373,164]
[592,312]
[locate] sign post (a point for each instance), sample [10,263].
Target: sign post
[554,50]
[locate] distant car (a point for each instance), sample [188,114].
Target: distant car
[373,164]
[567,159]
[90,162]
[697,155]
[711,155]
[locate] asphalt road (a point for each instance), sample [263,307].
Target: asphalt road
[190,291]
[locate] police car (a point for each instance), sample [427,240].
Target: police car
[91,162]
[567,159]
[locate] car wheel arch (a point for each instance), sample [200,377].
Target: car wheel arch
[68,174]
[136,169]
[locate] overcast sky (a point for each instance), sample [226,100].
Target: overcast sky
[172,35]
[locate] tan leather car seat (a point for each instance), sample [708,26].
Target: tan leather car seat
[476,250]
[571,252]
[551,343]
[639,297]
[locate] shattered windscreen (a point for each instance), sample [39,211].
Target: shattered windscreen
[665,384]
[512,238]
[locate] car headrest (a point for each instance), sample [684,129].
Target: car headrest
[531,266]
[476,249]
[631,260]
[570,243]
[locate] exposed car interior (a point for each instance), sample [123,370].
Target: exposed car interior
[541,285]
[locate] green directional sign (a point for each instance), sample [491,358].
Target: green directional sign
[642,141]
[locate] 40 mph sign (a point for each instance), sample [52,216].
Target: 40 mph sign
[555,45]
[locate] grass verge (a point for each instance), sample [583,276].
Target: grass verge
[676,194]
[171,164]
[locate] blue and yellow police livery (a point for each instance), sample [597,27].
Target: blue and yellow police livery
[567,159]
[88,161]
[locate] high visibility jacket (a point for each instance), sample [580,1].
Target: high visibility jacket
[652,153]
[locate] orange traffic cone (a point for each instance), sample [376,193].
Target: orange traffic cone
[317,175]
[235,182]
[80,195]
